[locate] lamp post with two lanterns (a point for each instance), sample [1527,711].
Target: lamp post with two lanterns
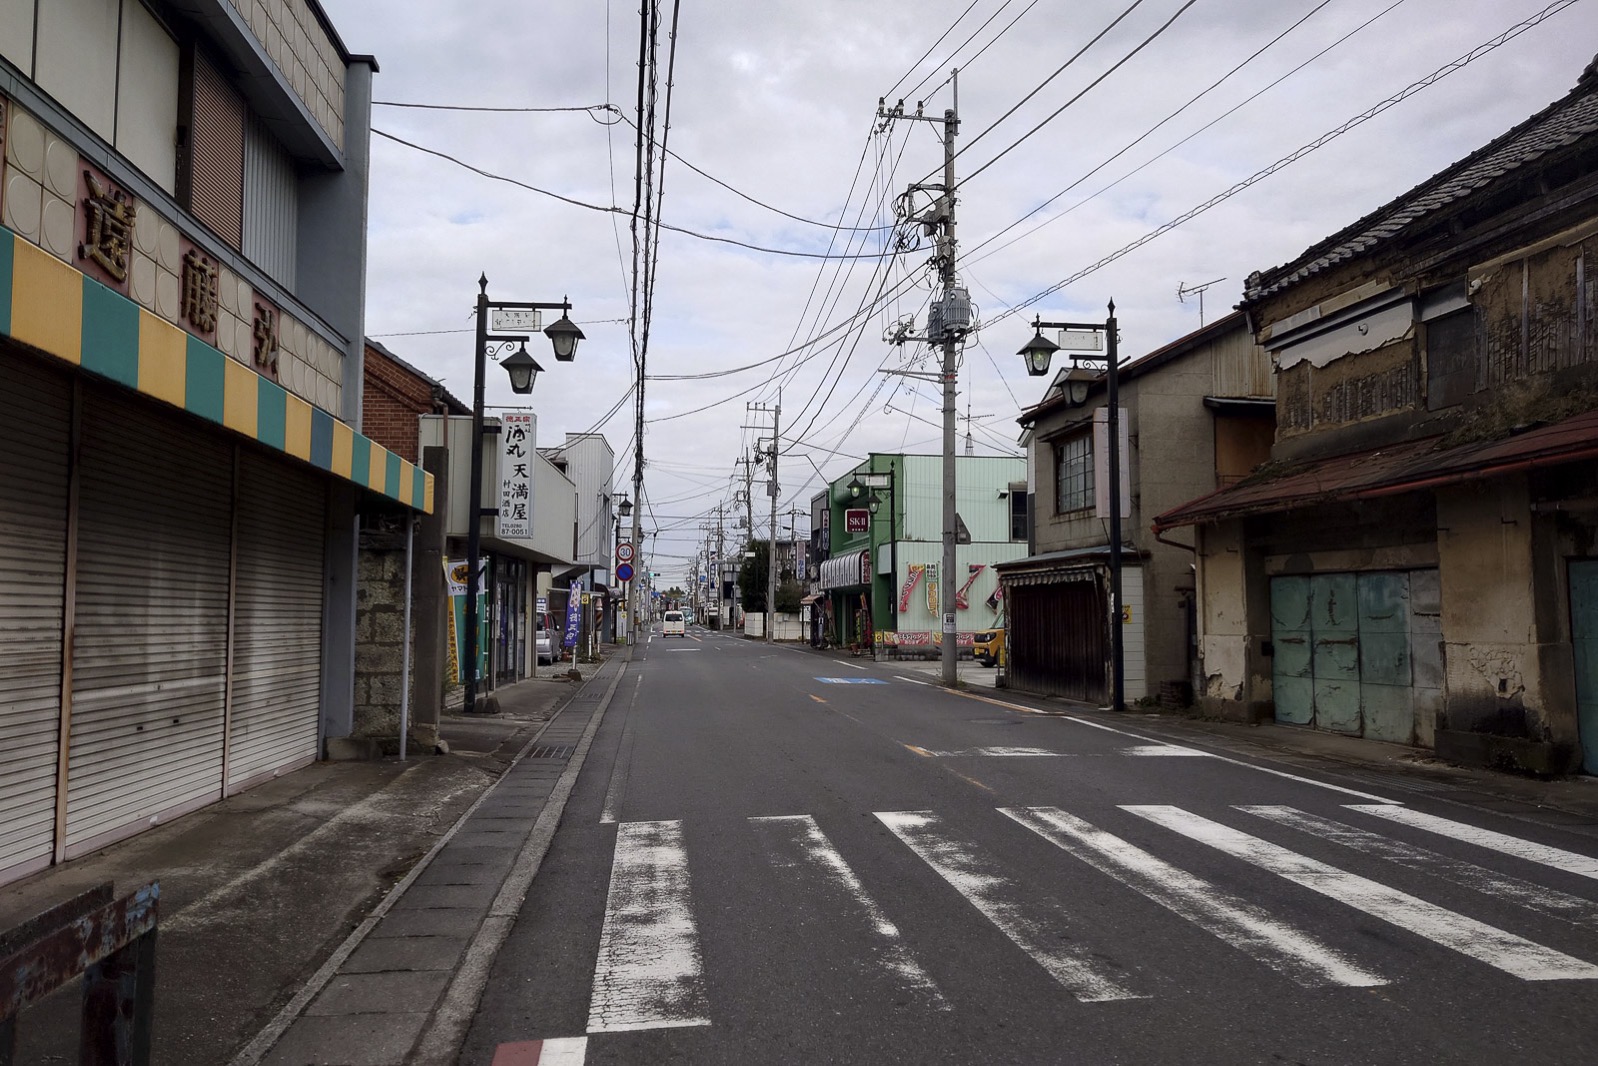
[868,488]
[523,369]
[1081,341]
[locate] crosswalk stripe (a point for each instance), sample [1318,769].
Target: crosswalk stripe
[1478,940]
[1527,894]
[649,974]
[979,879]
[1558,858]
[796,843]
[1239,923]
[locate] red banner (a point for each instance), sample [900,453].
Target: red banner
[976,571]
[916,572]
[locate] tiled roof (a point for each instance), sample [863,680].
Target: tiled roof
[1557,126]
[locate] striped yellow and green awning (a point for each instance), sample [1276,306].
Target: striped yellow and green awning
[59,310]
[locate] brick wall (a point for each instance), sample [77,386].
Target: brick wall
[394,398]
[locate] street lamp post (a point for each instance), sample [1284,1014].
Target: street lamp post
[1038,352]
[523,369]
[874,481]
[624,621]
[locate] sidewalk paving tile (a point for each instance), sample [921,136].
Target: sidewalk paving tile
[434,897]
[437,922]
[405,953]
[391,992]
[463,874]
[347,1040]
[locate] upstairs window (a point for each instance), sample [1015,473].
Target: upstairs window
[211,165]
[1451,359]
[1018,511]
[1073,474]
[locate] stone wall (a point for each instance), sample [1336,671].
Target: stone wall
[380,640]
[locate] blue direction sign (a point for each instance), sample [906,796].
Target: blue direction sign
[624,572]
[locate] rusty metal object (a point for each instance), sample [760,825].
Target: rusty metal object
[111,943]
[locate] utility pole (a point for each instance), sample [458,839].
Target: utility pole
[771,490]
[948,322]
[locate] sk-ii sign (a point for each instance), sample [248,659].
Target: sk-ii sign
[856,520]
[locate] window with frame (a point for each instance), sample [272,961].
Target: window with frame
[1018,508]
[1073,474]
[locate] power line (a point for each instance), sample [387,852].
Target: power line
[1326,138]
[614,210]
[1087,89]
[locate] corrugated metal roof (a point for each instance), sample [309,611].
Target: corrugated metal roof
[1557,126]
[1401,468]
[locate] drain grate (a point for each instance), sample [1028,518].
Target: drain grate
[552,751]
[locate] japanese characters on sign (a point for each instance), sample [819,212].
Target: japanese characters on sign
[198,302]
[516,436]
[263,349]
[109,215]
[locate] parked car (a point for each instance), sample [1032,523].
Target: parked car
[545,638]
[673,625]
[987,647]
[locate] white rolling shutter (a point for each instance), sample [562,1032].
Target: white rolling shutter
[150,656]
[35,437]
[277,647]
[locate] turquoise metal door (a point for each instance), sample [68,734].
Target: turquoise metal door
[1385,677]
[1334,628]
[1584,642]
[1292,681]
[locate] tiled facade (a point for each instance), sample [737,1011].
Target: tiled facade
[305,55]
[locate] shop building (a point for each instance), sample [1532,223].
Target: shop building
[1417,562]
[1195,414]
[181,478]
[879,580]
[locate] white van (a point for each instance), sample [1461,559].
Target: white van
[673,626]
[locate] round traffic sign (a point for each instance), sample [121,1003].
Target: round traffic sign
[624,572]
[624,552]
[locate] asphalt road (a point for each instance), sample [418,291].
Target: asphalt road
[773,856]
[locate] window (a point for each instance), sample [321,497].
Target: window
[1073,474]
[1018,509]
[1451,359]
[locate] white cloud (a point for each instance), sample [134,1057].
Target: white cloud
[777,99]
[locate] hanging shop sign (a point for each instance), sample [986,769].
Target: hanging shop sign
[516,475]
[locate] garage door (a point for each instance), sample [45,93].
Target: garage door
[35,423]
[151,638]
[278,621]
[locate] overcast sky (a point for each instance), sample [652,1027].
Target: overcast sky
[778,100]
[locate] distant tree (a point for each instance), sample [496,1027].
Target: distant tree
[675,594]
[789,593]
[752,578]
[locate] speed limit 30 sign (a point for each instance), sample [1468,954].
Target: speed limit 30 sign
[624,552]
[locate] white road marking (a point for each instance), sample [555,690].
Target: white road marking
[1000,900]
[566,1051]
[995,752]
[1527,894]
[1478,940]
[852,666]
[1242,924]
[649,974]
[913,681]
[1234,762]
[1568,861]
[685,649]
[796,843]
[1163,749]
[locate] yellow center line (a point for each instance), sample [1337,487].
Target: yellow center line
[923,752]
[817,698]
[971,780]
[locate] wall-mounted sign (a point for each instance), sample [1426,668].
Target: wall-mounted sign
[856,520]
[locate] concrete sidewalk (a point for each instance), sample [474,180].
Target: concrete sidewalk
[260,889]
[404,984]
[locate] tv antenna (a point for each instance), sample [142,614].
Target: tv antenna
[1184,291]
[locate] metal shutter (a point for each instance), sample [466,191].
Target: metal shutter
[277,646]
[35,437]
[216,152]
[150,655]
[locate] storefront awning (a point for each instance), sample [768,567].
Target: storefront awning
[850,570]
[44,303]
[1407,467]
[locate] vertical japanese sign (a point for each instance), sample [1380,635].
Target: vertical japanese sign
[932,588]
[455,571]
[574,615]
[516,475]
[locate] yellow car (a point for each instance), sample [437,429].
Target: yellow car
[988,646]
